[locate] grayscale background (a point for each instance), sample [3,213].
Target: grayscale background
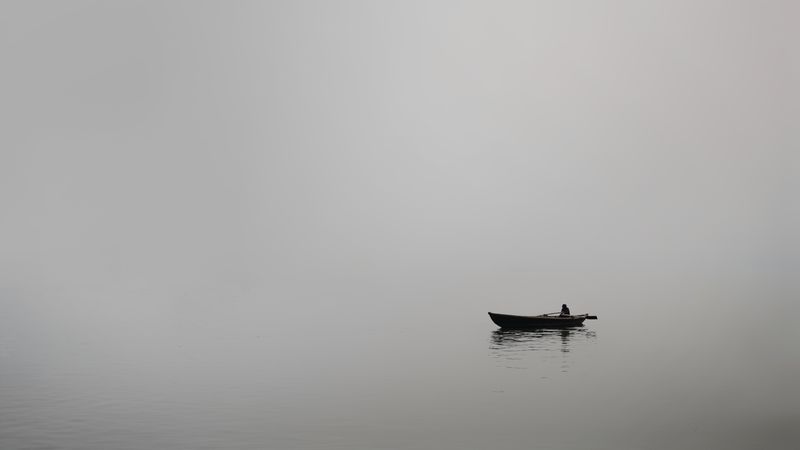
[280,225]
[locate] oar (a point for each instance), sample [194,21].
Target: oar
[559,312]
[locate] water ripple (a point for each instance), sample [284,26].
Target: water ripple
[512,347]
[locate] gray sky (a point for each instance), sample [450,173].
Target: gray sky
[319,144]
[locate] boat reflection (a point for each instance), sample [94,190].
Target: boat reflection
[515,346]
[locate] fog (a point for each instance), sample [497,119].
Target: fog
[209,169]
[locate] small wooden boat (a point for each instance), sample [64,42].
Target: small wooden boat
[541,321]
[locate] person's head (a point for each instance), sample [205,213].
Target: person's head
[564,305]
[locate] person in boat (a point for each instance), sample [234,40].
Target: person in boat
[564,310]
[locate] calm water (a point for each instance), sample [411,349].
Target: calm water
[156,372]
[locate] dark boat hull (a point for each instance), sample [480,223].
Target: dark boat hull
[522,322]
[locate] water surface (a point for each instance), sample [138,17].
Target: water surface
[424,375]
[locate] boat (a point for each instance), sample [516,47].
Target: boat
[541,321]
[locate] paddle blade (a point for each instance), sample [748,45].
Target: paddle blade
[591,317]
